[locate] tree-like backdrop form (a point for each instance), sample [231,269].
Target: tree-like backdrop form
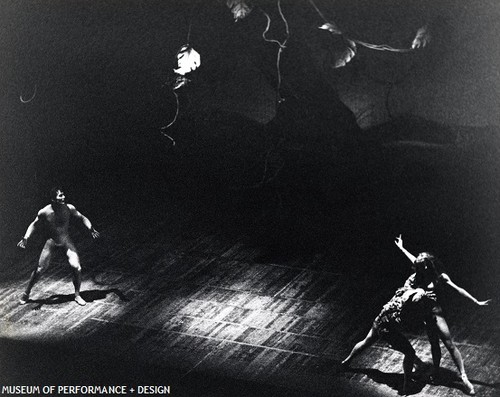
[188,59]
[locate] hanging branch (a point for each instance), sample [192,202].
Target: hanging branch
[421,40]
[281,45]
[382,47]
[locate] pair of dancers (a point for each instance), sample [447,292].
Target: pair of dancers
[417,301]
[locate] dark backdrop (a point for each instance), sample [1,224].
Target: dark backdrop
[298,177]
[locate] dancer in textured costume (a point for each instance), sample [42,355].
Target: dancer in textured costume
[407,304]
[429,277]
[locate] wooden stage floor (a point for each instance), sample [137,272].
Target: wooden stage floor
[174,301]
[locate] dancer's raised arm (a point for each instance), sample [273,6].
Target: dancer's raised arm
[399,243]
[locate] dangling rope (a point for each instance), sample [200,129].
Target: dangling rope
[281,45]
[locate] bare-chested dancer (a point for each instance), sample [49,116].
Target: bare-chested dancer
[55,217]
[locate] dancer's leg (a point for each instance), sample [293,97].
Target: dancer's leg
[399,342]
[369,340]
[74,262]
[444,334]
[43,263]
[433,335]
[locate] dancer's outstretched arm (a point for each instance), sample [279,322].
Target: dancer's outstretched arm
[31,228]
[399,243]
[463,292]
[85,220]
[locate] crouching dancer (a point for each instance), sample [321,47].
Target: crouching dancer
[388,325]
[54,219]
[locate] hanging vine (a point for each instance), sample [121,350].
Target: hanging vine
[188,60]
[421,39]
[281,45]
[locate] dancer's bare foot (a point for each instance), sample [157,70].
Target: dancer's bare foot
[79,300]
[468,386]
[24,299]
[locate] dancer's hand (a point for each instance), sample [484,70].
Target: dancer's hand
[22,243]
[95,233]
[418,295]
[483,303]
[399,242]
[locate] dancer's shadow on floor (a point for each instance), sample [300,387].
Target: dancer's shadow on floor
[88,296]
[446,378]
[391,379]
[451,379]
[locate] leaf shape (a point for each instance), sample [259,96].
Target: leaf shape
[331,27]
[422,38]
[187,60]
[180,81]
[346,55]
[239,8]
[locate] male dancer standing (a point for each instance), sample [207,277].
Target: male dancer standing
[55,218]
